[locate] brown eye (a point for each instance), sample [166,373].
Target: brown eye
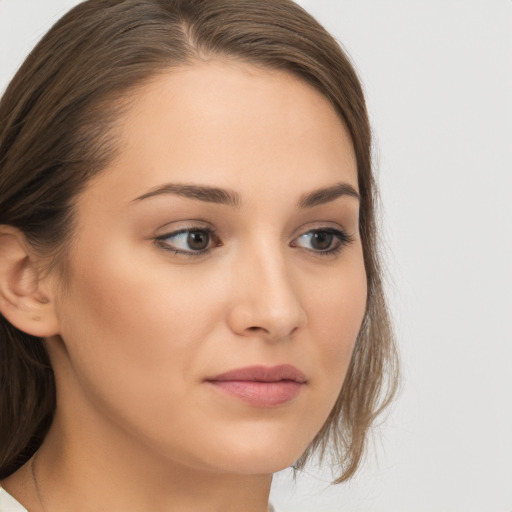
[190,242]
[198,240]
[321,240]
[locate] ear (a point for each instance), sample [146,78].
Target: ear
[25,300]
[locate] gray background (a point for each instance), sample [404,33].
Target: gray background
[438,77]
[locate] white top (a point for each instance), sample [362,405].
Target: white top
[9,504]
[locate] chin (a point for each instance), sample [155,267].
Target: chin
[263,464]
[263,455]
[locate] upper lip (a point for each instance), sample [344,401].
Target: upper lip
[262,373]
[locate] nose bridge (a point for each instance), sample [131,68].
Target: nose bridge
[268,299]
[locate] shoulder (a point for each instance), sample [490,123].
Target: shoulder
[8,503]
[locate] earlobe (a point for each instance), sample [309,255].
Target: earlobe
[23,300]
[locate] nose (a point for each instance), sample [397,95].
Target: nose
[266,299]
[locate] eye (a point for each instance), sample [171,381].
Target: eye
[191,241]
[323,241]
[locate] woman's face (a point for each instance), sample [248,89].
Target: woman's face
[223,236]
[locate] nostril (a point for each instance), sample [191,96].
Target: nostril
[256,328]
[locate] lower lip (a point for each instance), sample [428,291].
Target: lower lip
[261,394]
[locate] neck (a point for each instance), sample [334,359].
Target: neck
[87,473]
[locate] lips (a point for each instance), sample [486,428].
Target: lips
[262,374]
[261,386]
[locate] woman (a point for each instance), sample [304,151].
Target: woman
[189,282]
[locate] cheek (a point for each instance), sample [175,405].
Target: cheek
[125,298]
[336,314]
[125,322]
[339,314]
[133,336]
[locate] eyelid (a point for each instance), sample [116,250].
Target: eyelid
[343,237]
[183,225]
[324,226]
[214,239]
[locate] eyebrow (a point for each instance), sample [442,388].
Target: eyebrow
[199,192]
[327,194]
[231,198]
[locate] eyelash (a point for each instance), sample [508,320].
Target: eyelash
[342,240]
[342,237]
[212,235]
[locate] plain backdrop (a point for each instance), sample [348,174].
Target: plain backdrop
[438,77]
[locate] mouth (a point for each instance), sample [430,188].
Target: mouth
[261,386]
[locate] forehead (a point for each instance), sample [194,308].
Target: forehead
[231,123]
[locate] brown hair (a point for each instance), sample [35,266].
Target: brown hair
[56,120]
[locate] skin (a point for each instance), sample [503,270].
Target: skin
[139,328]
